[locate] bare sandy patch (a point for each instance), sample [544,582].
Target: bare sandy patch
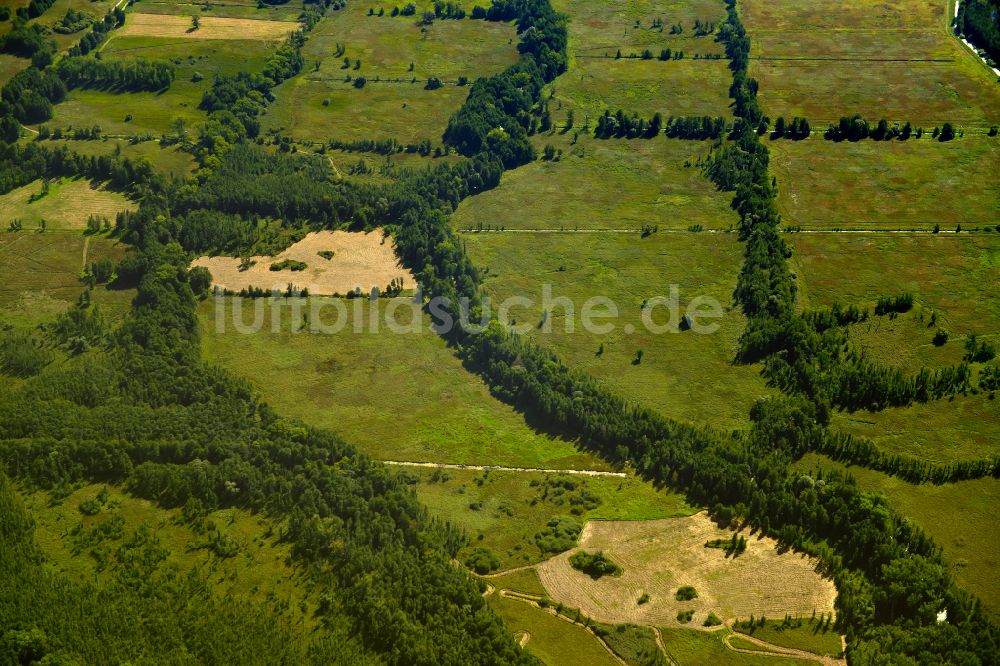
[67,205]
[659,556]
[210,27]
[360,260]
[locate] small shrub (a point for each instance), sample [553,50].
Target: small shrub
[595,565]
[712,620]
[940,337]
[482,561]
[643,599]
[289,264]
[686,593]
[685,616]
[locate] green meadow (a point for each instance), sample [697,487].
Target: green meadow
[683,374]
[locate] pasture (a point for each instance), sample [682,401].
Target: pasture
[196,64]
[234,9]
[687,87]
[168,26]
[11,65]
[603,184]
[887,185]
[959,516]
[658,557]
[396,396]
[955,275]
[596,27]
[321,104]
[41,275]
[502,511]
[553,639]
[966,428]
[683,374]
[359,261]
[65,205]
[685,646]
[823,60]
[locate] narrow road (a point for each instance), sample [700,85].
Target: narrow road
[499,468]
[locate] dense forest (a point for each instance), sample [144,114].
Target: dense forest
[148,414]
[979,22]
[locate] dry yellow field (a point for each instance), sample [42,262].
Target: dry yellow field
[362,260]
[166,25]
[659,556]
[67,205]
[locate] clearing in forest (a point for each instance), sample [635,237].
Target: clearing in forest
[210,27]
[660,556]
[66,204]
[359,261]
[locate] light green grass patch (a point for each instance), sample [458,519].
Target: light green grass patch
[684,375]
[596,27]
[227,9]
[396,396]
[960,517]
[942,432]
[810,636]
[887,184]
[691,646]
[603,184]
[66,205]
[503,511]
[685,87]
[555,641]
[955,275]
[524,581]
[41,275]
[153,113]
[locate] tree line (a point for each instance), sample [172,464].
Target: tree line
[131,75]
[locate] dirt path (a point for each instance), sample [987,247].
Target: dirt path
[525,637]
[778,651]
[499,468]
[86,246]
[663,648]
[496,574]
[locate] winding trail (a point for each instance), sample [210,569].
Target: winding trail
[777,650]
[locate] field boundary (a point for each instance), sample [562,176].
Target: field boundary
[500,468]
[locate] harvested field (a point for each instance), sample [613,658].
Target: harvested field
[67,205]
[659,556]
[359,260]
[211,27]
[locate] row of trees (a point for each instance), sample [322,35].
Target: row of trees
[118,75]
[857,128]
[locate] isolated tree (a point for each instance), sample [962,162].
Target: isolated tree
[947,132]
[195,22]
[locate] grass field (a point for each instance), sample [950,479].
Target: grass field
[686,646]
[502,511]
[67,205]
[11,65]
[888,184]
[658,557]
[41,275]
[685,87]
[386,46]
[557,642]
[604,184]
[258,571]
[396,396]
[966,428]
[238,9]
[961,517]
[685,375]
[55,13]
[934,81]
[955,275]
[596,27]
[809,637]
[153,113]
[169,26]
